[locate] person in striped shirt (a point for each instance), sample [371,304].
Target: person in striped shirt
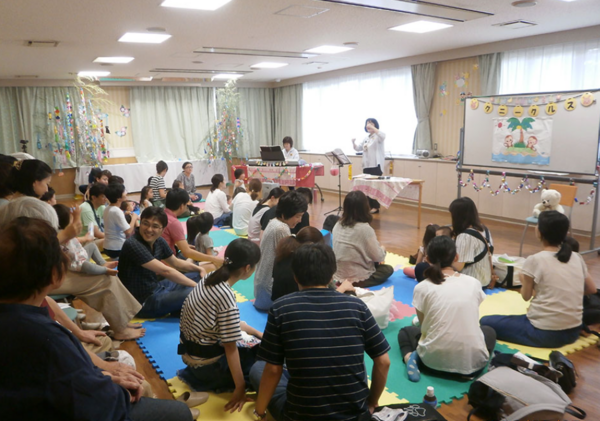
[322,336]
[157,183]
[211,329]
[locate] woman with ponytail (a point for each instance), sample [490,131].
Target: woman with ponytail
[449,338]
[557,279]
[211,329]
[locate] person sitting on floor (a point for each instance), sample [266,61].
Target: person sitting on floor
[322,336]
[30,177]
[305,222]
[104,293]
[474,243]
[188,181]
[290,209]
[175,205]
[211,329]
[359,255]
[157,183]
[240,179]
[92,211]
[62,382]
[80,255]
[217,203]
[243,204]
[432,231]
[255,231]
[555,280]
[145,196]
[146,256]
[447,302]
[116,227]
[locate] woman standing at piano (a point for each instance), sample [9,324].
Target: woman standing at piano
[373,154]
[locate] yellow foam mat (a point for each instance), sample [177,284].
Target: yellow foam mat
[213,408]
[239,298]
[511,303]
[394,260]
[232,231]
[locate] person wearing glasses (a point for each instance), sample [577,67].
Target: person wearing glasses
[141,264]
[188,182]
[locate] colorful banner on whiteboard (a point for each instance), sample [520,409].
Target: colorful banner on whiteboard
[522,140]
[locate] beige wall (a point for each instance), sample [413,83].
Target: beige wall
[116,97]
[447,112]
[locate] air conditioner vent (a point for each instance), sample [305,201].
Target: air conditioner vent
[41,44]
[516,24]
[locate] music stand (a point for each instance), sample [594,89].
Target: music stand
[339,158]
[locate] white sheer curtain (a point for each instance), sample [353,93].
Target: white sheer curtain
[561,67]
[287,102]
[334,110]
[171,123]
[256,118]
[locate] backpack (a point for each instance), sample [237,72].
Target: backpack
[591,308]
[488,247]
[509,395]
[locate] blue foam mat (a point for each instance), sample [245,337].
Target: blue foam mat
[160,346]
[222,237]
[249,314]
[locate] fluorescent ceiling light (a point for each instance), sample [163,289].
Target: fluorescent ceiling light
[93,73]
[268,65]
[248,52]
[195,4]
[144,37]
[226,76]
[115,60]
[144,79]
[420,27]
[328,49]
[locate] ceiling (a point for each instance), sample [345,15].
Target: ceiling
[87,29]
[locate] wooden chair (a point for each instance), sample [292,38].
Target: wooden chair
[567,199]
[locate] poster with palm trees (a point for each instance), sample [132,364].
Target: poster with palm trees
[522,141]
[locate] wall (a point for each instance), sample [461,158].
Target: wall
[447,110]
[119,146]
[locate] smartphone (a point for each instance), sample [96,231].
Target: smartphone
[91,229]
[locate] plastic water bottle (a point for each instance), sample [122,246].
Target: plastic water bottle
[429,397]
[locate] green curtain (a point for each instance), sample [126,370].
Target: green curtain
[10,133]
[256,118]
[287,103]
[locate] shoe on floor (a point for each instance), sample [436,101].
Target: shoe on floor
[195,413]
[192,399]
[373,211]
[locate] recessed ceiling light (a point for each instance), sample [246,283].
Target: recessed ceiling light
[248,52]
[144,79]
[524,3]
[268,65]
[195,4]
[93,73]
[115,60]
[227,76]
[420,27]
[328,49]
[144,37]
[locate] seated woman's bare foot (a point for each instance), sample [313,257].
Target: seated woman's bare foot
[111,265]
[129,334]
[135,325]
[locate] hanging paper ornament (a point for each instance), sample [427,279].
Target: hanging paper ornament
[570,104]
[124,111]
[533,110]
[518,111]
[121,132]
[502,110]
[474,103]
[488,107]
[443,89]
[551,108]
[587,99]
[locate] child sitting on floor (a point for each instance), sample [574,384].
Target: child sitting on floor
[202,241]
[432,231]
[447,304]
[79,256]
[145,196]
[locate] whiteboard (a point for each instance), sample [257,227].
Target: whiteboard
[574,139]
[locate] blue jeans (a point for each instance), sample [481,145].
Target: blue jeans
[279,397]
[224,219]
[148,409]
[519,330]
[168,297]
[217,377]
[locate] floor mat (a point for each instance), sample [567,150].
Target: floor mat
[397,383]
[511,303]
[160,346]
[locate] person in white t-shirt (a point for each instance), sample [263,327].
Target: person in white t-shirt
[243,204]
[289,152]
[449,338]
[555,280]
[217,203]
[116,227]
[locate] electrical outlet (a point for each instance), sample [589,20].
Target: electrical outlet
[435,146]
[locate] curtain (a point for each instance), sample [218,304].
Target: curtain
[171,123]
[288,114]
[561,67]
[423,79]
[334,110]
[490,67]
[10,133]
[256,120]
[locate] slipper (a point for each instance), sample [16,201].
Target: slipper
[192,399]
[195,413]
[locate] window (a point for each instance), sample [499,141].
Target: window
[562,67]
[334,111]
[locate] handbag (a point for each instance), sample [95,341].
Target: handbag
[559,362]
[379,303]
